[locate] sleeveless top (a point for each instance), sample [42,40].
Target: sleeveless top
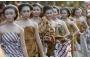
[11,44]
[63,45]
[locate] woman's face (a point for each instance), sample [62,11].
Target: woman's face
[36,11]
[10,14]
[25,12]
[64,13]
[49,13]
[78,12]
[55,12]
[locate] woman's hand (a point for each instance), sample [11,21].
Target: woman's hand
[2,54]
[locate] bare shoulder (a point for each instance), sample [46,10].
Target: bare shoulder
[63,22]
[17,21]
[2,23]
[83,18]
[2,27]
[33,24]
[19,27]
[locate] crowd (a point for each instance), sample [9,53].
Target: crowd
[44,31]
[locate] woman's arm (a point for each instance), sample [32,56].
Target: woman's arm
[86,23]
[66,29]
[75,26]
[2,54]
[38,41]
[23,43]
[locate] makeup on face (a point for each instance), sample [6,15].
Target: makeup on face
[64,14]
[78,12]
[36,11]
[10,14]
[55,12]
[49,13]
[25,12]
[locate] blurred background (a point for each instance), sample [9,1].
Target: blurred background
[69,4]
[52,3]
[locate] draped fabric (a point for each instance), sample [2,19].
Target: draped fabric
[85,43]
[11,44]
[47,34]
[32,49]
[62,49]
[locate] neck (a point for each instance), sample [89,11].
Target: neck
[76,16]
[64,18]
[49,19]
[10,20]
[24,19]
[9,23]
[54,18]
[35,18]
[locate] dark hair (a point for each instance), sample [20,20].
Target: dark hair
[68,11]
[2,5]
[45,8]
[37,4]
[11,7]
[73,11]
[22,5]
[56,9]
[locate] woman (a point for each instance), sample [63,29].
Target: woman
[48,31]
[79,19]
[85,39]
[36,13]
[11,35]
[82,25]
[62,44]
[36,16]
[31,33]
[73,29]
[56,11]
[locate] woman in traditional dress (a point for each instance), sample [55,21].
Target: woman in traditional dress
[11,35]
[85,38]
[73,29]
[36,16]
[62,46]
[31,32]
[82,25]
[36,13]
[48,31]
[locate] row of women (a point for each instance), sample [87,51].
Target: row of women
[36,31]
